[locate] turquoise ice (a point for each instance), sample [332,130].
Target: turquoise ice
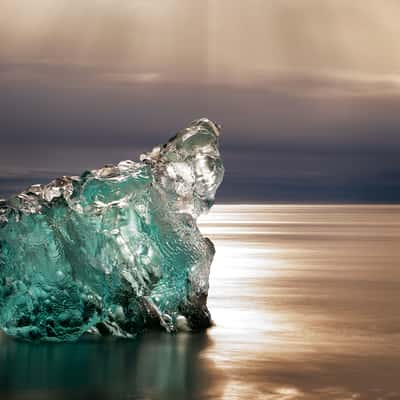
[116,250]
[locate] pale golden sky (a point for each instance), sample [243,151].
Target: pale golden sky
[326,45]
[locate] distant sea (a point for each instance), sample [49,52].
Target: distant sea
[305,300]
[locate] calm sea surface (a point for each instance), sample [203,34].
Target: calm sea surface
[306,303]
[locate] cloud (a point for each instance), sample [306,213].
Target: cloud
[303,83]
[56,74]
[325,83]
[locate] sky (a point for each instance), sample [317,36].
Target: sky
[307,91]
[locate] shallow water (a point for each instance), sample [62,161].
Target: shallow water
[306,305]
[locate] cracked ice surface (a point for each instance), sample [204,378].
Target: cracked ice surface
[116,250]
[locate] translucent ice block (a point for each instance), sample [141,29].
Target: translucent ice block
[116,250]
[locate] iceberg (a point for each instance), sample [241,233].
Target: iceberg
[116,250]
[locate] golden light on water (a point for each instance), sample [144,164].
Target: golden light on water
[303,292]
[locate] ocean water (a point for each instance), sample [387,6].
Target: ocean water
[305,300]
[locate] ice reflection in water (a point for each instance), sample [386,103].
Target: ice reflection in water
[155,366]
[305,300]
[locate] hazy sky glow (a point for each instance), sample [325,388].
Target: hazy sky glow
[308,91]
